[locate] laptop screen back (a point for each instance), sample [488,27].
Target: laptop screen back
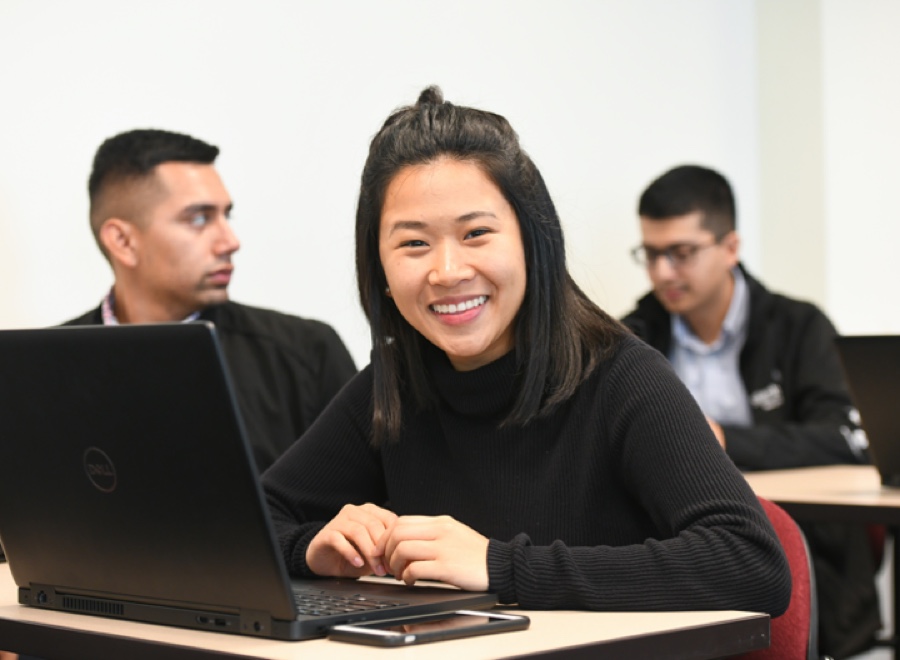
[102,489]
[872,367]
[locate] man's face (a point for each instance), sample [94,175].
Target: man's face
[699,276]
[184,242]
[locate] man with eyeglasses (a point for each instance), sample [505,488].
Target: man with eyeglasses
[763,368]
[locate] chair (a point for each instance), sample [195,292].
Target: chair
[877,535]
[794,635]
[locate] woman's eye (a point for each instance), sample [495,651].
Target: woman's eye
[413,243]
[475,233]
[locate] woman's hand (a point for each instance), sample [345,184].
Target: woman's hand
[717,430]
[435,548]
[347,546]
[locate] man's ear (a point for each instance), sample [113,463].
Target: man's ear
[732,244]
[121,240]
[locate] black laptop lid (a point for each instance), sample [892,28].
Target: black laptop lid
[872,367]
[92,420]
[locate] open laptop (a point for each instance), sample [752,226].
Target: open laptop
[872,367]
[128,490]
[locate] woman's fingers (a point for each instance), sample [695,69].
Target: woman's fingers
[348,544]
[436,548]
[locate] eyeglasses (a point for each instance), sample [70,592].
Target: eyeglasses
[678,255]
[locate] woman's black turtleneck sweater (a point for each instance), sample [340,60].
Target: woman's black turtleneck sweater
[620,499]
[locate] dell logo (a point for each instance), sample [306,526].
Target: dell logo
[99,469]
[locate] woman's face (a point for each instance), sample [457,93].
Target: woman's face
[452,253]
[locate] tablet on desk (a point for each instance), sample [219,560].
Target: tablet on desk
[422,629]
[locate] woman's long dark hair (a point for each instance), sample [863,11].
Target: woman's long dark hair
[560,335]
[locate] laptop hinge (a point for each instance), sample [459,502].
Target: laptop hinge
[256,623]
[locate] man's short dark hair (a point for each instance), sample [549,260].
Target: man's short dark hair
[135,154]
[689,188]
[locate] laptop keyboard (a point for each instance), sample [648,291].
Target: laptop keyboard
[315,602]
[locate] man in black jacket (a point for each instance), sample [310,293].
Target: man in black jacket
[160,215]
[763,368]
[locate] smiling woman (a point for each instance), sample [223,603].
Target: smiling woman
[457,272]
[508,434]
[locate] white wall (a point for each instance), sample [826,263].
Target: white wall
[861,61]
[605,94]
[830,139]
[791,139]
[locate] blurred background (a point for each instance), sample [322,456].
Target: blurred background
[795,101]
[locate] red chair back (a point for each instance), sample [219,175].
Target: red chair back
[793,634]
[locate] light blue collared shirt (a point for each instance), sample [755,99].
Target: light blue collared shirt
[712,371]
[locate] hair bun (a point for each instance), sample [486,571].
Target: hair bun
[432,95]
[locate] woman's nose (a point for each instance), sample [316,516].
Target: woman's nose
[450,266]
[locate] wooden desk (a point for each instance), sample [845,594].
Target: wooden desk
[635,635]
[846,493]
[837,493]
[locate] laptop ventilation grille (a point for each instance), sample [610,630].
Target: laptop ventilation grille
[92,606]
